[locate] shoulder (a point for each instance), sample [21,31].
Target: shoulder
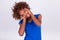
[20,21]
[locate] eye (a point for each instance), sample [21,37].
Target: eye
[24,11]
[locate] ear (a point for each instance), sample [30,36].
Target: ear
[40,18]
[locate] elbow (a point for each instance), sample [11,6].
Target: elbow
[39,24]
[20,33]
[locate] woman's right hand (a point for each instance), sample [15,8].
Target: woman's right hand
[22,26]
[24,16]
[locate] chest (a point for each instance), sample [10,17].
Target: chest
[31,27]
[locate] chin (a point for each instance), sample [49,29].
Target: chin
[28,17]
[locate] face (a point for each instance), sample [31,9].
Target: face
[24,12]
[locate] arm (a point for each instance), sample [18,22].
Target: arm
[37,21]
[40,18]
[22,28]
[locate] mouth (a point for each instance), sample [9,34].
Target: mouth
[28,17]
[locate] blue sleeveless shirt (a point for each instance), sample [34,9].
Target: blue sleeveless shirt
[33,32]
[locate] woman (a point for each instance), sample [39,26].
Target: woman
[29,23]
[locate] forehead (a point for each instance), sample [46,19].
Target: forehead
[21,10]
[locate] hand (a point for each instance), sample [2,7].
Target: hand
[23,17]
[28,11]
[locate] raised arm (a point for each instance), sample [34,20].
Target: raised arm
[37,21]
[22,27]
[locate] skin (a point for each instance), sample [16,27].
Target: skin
[24,14]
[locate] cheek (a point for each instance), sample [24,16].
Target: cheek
[21,13]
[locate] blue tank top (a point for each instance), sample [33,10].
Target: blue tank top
[33,32]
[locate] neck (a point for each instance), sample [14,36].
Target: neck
[29,19]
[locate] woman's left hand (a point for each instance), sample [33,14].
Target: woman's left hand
[28,11]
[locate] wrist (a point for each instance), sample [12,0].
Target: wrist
[24,20]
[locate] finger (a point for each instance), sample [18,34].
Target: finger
[25,13]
